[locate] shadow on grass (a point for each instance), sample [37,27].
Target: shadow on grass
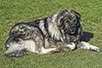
[86,36]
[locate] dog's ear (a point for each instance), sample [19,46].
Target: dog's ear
[61,16]
[63,13]
[78,15]
[72,11]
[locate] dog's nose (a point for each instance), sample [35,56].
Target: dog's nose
[72,25]
[71,30]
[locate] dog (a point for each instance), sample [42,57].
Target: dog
[59,32]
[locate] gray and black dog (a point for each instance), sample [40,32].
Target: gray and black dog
[60,31]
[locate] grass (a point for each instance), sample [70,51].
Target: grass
[15,11]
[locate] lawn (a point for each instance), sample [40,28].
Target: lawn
[15,11]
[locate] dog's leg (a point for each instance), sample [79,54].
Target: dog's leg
[16,50]
[85,45]
[47,51]
[67,47]
[71,46]
[21,48]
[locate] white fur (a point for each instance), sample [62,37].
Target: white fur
[14,47]
[53,28]
[46,51]
[72,46]
[87,46]
[29,45]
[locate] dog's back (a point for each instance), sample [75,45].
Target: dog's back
[20,40]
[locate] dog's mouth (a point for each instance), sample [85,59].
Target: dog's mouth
[72,30]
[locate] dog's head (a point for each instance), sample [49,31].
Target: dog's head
[69,20]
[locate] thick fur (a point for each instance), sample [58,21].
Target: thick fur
[58,32]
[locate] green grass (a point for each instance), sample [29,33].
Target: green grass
[15,11]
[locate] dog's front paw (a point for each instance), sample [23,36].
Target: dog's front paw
[95,49]
[56,51]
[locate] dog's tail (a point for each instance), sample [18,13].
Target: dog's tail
[16,50]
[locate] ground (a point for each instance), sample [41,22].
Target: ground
[15,11]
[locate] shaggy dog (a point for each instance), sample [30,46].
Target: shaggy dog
[59,32]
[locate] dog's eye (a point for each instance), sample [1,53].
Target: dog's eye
[67,20]
[74,20]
